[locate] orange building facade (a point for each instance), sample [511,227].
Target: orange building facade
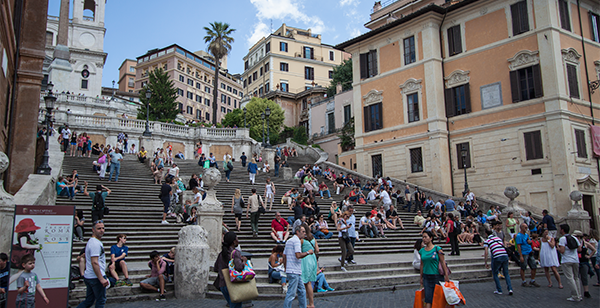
[499,88]
[127,76]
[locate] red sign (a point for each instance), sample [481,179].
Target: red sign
[596,139]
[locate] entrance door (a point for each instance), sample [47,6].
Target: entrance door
[376,165]
[588,205]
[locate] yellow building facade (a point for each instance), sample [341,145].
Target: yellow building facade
[499,88]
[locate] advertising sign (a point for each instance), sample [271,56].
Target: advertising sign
[46,232]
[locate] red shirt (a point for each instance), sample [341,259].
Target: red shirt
[322,187]
[279,225]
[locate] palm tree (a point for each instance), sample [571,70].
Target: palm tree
[219,40]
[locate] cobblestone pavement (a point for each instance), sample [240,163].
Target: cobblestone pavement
[476,295]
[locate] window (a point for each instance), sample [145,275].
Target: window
[198,114]
[249,79]
[331,55]
[260,91]
[267,67]
[190,110]
[283,46]
[190,82]
[223,98]
[284,87]
[198,86]
[235,91]
[458,100]
[268,47]
[454,41]
[246,65]
[131,83]
[580,141]
[595,20]
[180,92]
[410,55]
[533,145]
[373,117]
[376,164]
[526,83]
[190,95]
[347,114]
[309,73]
[309,52]
[84,84]
[228,100]
[368,64]
[207,116]
[198,99]
[207,89]
[416,160]
[331,123]
[223,110]
[520,20]
[254,76]
[284,67]
[304,104]
[563,10]
[330,74]
[49,38]
[267,89]
[223,86]
[463,162]
[572,80]
[132,69]
[413,107]
[181,78]
[229,88]
[229,110]
[180,107]
[235,103]
[207,102]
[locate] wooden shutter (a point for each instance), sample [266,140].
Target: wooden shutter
[537,81]
[312,53]
[467,98]
[448,93]
[514,86]
[373,64]
[367,116]
[580,141]
[363,66]
[572,80]
[457,40]
[450,42]
[379,108]
[514,12]
[563,8]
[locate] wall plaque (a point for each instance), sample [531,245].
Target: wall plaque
[491,95]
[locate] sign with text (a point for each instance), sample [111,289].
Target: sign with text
[40,257]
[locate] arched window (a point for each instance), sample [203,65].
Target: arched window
[89,10]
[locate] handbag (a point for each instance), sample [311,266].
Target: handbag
[261,209]
[102,159]
[440,267]
[246,274]
[314,250]
[229,166]
[240,292]
[106,210]
[345,236]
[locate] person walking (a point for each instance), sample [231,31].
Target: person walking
[253,208]
[495,246]
[99,200]
[525,253]
[293,268]
[252,169]
[569,247]
[103,161]
[269,193]
[431,257]
[549,257]
[115,164]
[587,250]
[165,196]
[309,264]
[346,248]
[226,164]
[237,202]
[228,251]
[453,227]
[352,234]
[95,269]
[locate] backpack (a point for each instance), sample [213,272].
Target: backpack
[98,204]
[531,225]
[571,242]
[229,166]
[455,228]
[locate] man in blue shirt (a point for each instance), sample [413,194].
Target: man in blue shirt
[118,253]
[451,208]
[524,251]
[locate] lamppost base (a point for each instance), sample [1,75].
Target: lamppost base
[45,170]
[147,134]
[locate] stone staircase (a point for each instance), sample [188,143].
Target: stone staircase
[136,211]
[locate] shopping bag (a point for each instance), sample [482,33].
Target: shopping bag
[439,300]
[246,274]
[452,293]
[419,299]
[240,291]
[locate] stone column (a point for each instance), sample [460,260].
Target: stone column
[193,263]
[288,174]
[269,156]
[578,218]
[210,212]
[7,210]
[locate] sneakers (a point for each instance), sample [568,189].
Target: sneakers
[161,297]
[352,262]
[164,222]
[497,292]
[510,292]
[534,284]
[120,283]
[343,269]
[128,283]
[284,289]
[330,289]
[574,299]
[524,284]
[587,295]
[321,290]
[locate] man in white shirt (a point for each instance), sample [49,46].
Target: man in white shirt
[570,263]
[384,196]
[372,196]
[95,269]
[66,137]
[293,268]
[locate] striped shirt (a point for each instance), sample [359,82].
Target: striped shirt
[495,245]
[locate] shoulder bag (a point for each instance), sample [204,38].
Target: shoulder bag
[240,292]
[440,267]
[245,275]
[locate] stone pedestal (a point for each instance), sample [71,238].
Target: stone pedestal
[210,212]
[511,193]
[7,210]
[577,217]
[288,174]
[269,156]
[193,263]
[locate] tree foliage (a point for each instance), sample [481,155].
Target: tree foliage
[347,136]
[219,40]
[234,118]
[163,105]
[341,74]
[254,110]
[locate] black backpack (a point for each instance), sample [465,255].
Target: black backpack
[456,230]
[571,242]
[98,204]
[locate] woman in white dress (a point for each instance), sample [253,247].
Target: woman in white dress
[549,257]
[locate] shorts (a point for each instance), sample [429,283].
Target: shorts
[238,215]
[528,259]
[79,148]
[118,267]
[166,202]
[73,143]
[152,281]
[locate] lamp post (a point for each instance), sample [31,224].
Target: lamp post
[267,114]
[263,118]
[49,99]
[245,126]
[147,132]
[463,153]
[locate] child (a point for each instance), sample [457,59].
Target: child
[169,257]
[156,280]
[28,283]
[535,245]
[118,253]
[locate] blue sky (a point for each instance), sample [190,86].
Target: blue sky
[134,27]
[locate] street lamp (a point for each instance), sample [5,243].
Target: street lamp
[463,153]
[263,118]
[147,132]
[49,99]
[245,118]
[267,114]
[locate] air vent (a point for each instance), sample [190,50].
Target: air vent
[536,171]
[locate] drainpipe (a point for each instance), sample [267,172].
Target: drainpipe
[447,119]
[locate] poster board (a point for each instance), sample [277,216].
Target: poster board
[47,232]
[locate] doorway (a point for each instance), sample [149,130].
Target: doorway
[588,205]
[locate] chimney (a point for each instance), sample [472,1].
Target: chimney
[338,88]
[377,6]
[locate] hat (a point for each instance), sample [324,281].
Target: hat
[577,233]
[26,225]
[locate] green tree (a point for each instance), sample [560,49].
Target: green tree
[219,40]
[341,74]
[236,117]
[347,136]
[254,110]
[163,106]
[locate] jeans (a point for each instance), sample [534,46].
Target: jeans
[369,231]
[454,244]
[320,234]
[321,283]
[254,216]
[497,264]
[295,286]
[571,271]
[350,255]
[226,295]
[408,205]
[327,191]
[346,248]
[68,192]
[429,283]
[95,292]
[276,170]
[114,167]
[227,173]
[275,275]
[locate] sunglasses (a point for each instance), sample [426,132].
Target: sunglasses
[98,222]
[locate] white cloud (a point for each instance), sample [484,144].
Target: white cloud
[281,10]
[349,2]
[355,32]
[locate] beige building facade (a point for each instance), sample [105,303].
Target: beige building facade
[499,88]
